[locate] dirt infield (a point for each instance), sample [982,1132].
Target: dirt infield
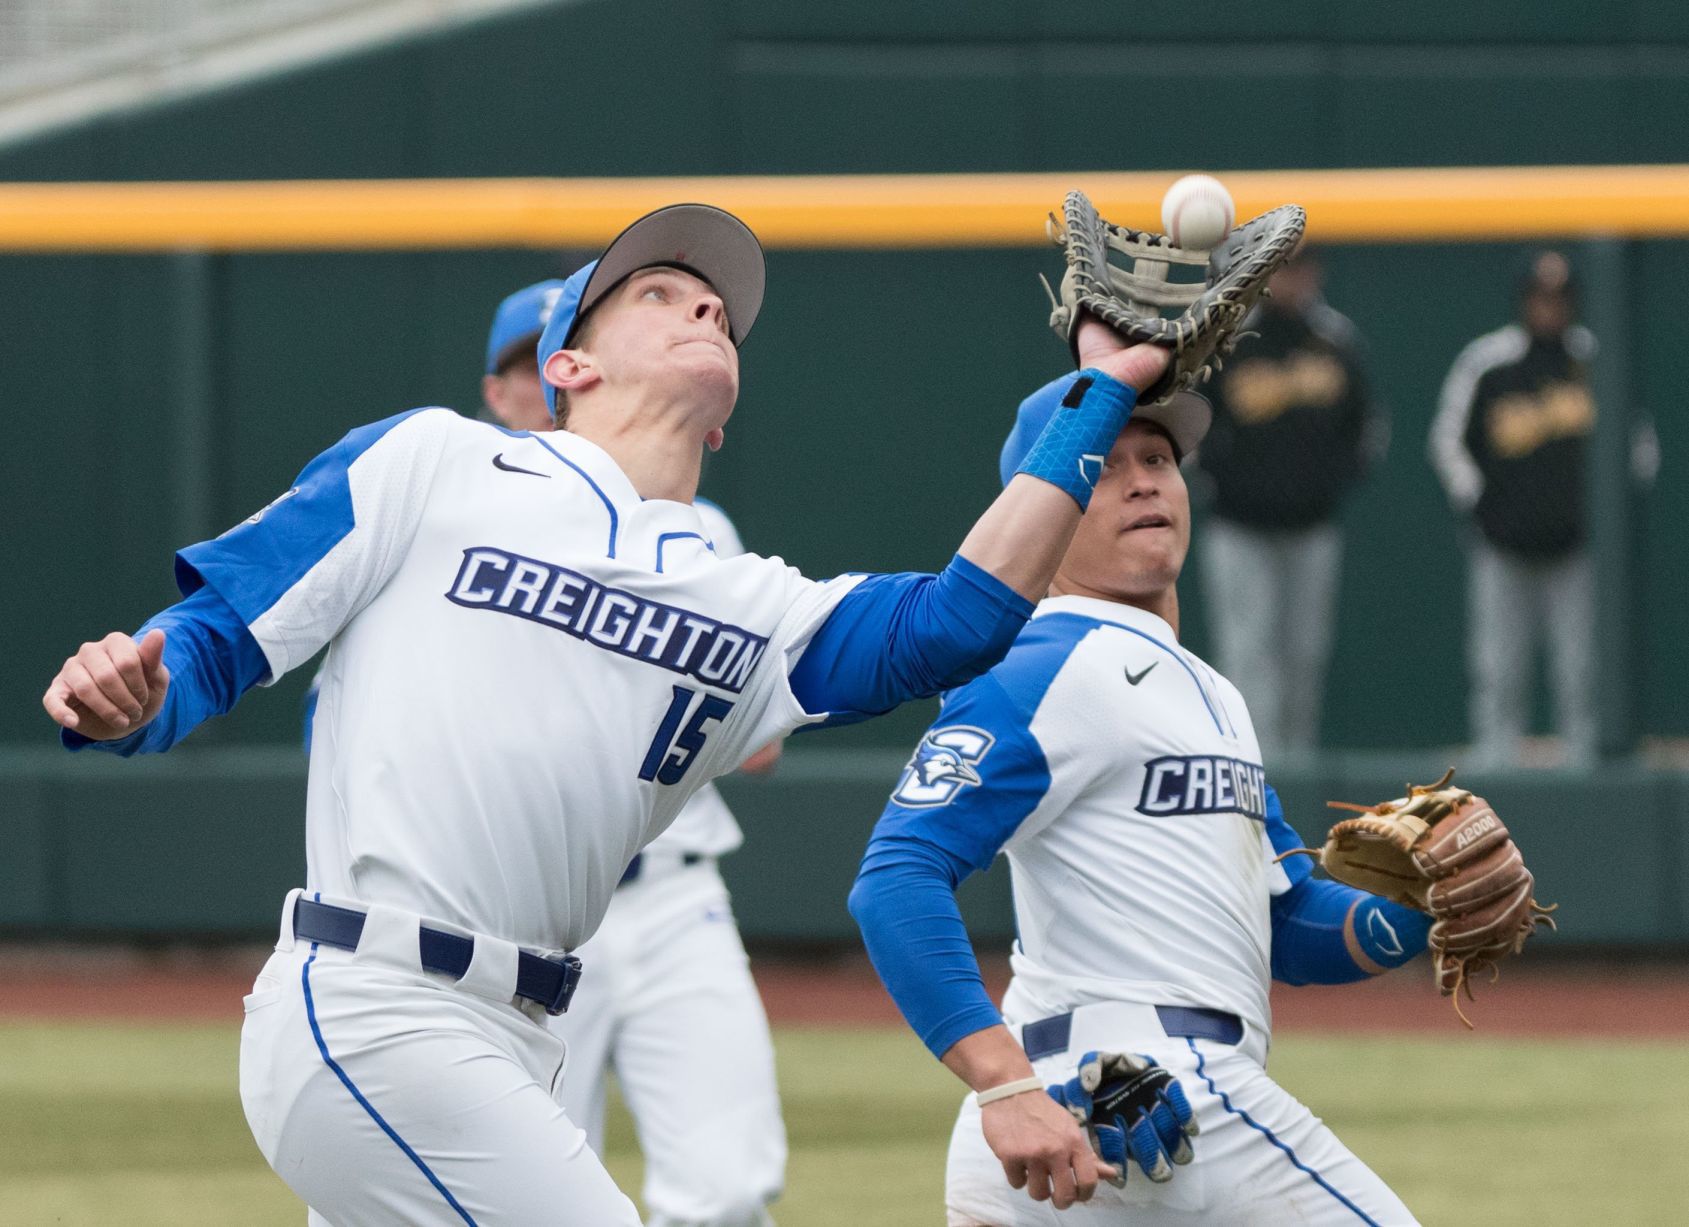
[1551,998]
[1542,997]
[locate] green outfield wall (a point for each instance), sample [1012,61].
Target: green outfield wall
[153,400]
[150,400]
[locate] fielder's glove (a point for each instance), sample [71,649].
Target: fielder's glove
[1445,852]
[1130,1107]
[1130,301]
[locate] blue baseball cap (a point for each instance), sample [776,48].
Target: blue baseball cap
[705,241]
[519,321]
[1185,417]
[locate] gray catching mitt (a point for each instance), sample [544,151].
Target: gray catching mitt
[1130,300]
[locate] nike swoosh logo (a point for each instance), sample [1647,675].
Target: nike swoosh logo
[499,463]
[1135,678]
[1388,942]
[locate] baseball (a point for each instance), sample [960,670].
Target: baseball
[1197,212]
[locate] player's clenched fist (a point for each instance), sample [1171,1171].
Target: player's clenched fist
[1042,1150]
[110,688]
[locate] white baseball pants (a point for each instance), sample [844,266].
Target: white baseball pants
[666,999]
[384,1094]
[1261,1157]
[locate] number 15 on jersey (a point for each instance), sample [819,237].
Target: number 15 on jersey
[666,767]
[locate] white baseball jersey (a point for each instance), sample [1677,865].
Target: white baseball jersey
[705,825]
[1121,777]
[532,667]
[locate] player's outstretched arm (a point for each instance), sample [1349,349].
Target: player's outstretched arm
[362,497]
[110,688]
[1021,538]
[899,637]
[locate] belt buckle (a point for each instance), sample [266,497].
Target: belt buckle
[570,976]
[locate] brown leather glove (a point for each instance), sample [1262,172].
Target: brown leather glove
[1445,852]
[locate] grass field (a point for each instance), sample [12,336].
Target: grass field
[138,1126]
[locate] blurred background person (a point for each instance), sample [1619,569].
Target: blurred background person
[1295,427]
[511,388]
[1510,444]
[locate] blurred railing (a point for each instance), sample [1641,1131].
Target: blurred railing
[66,60]
[46,40]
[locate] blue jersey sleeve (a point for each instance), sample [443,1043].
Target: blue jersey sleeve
[898,637]
[298,570]
[1327,933]
[1284,838]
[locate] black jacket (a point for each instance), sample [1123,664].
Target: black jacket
[1291,420]
[1511,438]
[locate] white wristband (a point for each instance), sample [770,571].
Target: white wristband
[1021,1087]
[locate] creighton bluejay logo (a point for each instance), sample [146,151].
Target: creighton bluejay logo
[943,765]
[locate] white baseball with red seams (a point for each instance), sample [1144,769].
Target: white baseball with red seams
[1197,213]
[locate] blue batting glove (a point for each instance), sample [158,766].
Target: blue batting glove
[1132,1108]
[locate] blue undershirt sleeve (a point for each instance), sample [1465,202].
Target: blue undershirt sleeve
[1315,922]
[905,902]
[213,660]
[906,636]
[1327,933]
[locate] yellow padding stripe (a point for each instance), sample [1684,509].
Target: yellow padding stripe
[825,211]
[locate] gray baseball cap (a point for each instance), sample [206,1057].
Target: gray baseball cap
[706,241]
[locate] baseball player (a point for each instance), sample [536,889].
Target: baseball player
[511,387]
[534,661]
[1121,777]
[1510,443]
[670,1004]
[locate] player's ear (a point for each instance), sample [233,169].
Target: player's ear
[571,369]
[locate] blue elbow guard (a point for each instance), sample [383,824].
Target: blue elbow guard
[1328,933]
[1386,934]
[1070,451]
